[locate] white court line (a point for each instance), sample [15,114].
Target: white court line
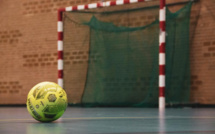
[105,118]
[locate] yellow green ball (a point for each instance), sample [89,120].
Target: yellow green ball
[46,102]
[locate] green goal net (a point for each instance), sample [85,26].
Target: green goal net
[121,59]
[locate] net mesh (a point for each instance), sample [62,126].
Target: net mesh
[111,56]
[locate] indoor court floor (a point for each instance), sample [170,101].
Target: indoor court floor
[16,120]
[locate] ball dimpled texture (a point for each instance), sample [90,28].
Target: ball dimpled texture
[46,101]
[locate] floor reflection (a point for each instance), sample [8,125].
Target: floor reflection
[162,123]
[45,128]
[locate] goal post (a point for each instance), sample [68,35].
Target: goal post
[162,18]
[162,56]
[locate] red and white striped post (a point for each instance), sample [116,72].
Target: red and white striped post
[162,42]
[60,47]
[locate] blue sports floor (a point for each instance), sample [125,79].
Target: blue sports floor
[16,120]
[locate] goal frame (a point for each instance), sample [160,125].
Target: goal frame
[162,36]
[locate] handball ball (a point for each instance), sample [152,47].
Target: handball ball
[46,101]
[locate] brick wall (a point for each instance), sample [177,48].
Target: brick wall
[203,54]
[28,41]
